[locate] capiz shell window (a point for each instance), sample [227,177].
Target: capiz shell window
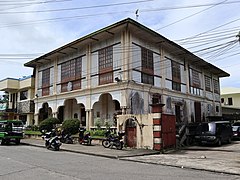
[105,58]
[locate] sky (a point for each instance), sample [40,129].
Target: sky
[208,28]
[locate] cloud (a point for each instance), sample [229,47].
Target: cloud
[42,37]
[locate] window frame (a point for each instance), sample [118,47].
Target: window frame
[230,101]
[46,82]
[176,76]
[216,86]
[147,64]
[23,95]
[71,71]
[208,83]
[105,61]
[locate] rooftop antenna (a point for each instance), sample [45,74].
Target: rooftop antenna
[137,15]
[238,36]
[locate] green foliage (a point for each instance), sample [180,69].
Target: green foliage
[98,133]
[48,124]
[29,132]
[33,128]
[107,124]
[98,123]
[71,126]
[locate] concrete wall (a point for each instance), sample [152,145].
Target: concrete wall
[145,134]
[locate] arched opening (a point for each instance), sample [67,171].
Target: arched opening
[131,133]
[45,112]
[72,110]
[60,115]
[117,107]
[105,110]
[82,116]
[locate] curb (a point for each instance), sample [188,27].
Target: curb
[93,154]
[143,162]
[182,167]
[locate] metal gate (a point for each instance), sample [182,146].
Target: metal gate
[168,131]
[131,133]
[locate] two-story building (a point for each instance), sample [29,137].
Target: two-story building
[121,69]
[20,94]
[230,99]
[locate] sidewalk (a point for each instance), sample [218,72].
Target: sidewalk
[95,149]
[225,159]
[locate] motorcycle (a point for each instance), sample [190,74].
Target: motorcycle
[107,140]
[114,140]
[52,141]
[84,138]
[66,138]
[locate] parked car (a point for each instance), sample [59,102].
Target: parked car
[11,130]
[214,133]
[236,130]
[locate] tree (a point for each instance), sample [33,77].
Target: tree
[48,124]
[71,126]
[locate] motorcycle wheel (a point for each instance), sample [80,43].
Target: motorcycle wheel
[119,146]
[56,148]
[89,142]
[47,145]
[68,141]
[106,143]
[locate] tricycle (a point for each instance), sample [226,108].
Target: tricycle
[11,131]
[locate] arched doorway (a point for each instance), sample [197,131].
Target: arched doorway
[60,115]
[72,110]
[105,110]
[82,116]
[131,133]
[45,112]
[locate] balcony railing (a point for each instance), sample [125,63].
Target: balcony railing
[25,107]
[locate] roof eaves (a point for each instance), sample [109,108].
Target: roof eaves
[31,63]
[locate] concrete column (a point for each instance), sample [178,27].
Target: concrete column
[186,68]
[91,123]
[54,114]
[157,128]
[163,66]
[36,122]
[55,77]
[30,118]
[87,120]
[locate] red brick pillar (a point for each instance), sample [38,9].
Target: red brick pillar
[157,134]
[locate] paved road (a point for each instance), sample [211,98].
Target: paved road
[224,159]
[29,162]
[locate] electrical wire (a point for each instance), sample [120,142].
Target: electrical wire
[190,16]
[77,8]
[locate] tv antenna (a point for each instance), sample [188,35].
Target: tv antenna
[137,14]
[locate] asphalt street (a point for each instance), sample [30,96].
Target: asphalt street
[224,159]
[29,162]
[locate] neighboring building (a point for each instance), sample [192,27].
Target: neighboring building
[20,94]
[230,99]
[122,69]
[3,104]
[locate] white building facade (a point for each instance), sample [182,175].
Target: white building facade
[122,69]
